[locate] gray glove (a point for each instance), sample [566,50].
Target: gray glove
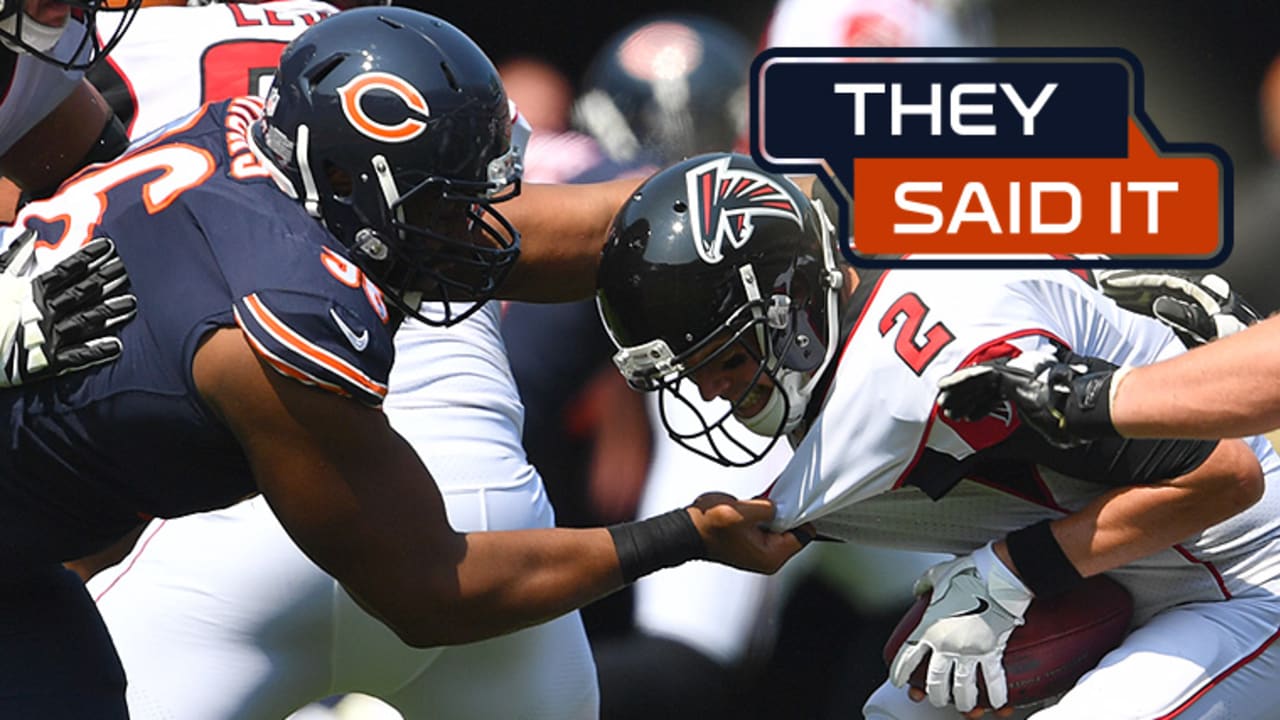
[1199,307]
[975,605]
[63,319]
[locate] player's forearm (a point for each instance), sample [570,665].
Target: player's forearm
[563,228]
[504,581]
[1228,388]
[511,580]
[1130,523]
[57,146]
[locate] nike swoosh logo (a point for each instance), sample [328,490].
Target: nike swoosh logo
[359,342]
[980,608]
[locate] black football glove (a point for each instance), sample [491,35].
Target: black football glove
[1063,396]
[1199,307]
[63,319]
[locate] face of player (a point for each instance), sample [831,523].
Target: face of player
[732,372]
[41,26]
[453,246]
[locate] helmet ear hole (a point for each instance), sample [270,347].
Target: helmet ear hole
[680,207]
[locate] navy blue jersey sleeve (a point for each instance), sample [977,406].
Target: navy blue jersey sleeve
[320,341]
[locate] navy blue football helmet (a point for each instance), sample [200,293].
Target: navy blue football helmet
[665,89]
[710,258]
[22,33]
[393,129]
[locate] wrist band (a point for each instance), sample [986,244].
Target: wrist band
[662,541]
[1039,560]
[1090,414]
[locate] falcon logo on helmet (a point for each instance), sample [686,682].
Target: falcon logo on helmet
[723,201]
[408,108]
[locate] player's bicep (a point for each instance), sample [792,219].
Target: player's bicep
[349,490]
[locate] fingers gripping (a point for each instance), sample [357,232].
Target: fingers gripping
[975,604]
[1199,307]
[62,319]
[96,319]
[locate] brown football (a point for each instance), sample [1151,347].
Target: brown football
[1062,639]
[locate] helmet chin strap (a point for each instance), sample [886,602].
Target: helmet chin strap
[780,413]
[784,410]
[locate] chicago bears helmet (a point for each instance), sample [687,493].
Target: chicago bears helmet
[666,88]
[710,256]
[41,36]
[392,127]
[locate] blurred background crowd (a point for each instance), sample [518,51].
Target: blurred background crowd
[598,84]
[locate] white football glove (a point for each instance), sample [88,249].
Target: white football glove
[976,604]
[63,319]
[1199,307]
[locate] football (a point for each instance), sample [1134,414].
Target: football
[1062,639]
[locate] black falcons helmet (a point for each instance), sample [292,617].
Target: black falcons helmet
[667,88]
[714,254]
[394,129]
[20,33]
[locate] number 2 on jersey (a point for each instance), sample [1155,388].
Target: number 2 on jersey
[911,311]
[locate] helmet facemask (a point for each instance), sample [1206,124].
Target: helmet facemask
[22,33]
[442,240]
[769,333]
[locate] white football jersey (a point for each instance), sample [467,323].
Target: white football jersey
[461,375]
[231,48]
[880,465]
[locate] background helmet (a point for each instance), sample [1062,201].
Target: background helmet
[393,128]
[711,254]
[19,32]
[665,89]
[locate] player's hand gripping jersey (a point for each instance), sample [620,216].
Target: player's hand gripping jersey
[879,463]
[89,454]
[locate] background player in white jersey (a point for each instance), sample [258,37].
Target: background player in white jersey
[847,364]
[219,615]
[51,123]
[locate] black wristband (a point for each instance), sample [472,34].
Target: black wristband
[1040,562]
[662,541]
[1090,410]
[1088,407]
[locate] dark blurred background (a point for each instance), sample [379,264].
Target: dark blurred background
[1204,61]
[1205,65]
